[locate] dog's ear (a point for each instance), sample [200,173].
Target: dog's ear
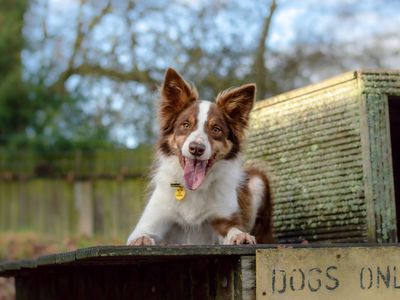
[176,95]
[236,104]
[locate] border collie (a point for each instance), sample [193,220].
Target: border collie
[202,194]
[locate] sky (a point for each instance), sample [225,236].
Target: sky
[314,17]
[363,17]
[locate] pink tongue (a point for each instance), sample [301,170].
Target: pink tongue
[194,173]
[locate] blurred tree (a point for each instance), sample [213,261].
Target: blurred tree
[32,113]
[335,37]
[14,106]
[96,64]
[113,54]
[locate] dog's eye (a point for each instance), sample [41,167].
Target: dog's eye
[185,125]
[216,129]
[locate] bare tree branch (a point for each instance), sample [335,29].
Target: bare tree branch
[96,20]
[96,70]
[79,38]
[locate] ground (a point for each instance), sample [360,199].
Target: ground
[30,245]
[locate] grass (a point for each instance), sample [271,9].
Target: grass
[22,245]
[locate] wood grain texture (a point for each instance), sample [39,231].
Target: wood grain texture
[327,149]
[121,272]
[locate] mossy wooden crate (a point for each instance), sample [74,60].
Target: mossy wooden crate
[333,151]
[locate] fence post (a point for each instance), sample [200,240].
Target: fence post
[83,200]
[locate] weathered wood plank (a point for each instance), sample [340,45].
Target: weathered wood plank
[381,178]
[335,273]
[112,272]
[114,255]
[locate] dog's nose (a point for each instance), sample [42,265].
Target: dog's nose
[196,149]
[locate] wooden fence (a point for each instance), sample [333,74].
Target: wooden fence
[100,193]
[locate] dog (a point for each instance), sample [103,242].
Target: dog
[202,194]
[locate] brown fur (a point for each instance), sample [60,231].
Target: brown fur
[236,103]
[244,199]
[222,225]
[218,131]
[262,229]
[176,96]
[181,132]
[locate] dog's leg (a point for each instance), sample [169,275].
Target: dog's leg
[156,220]
[143,240]
[237,237]
[230,230]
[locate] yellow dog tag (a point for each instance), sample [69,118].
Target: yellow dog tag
[180,193]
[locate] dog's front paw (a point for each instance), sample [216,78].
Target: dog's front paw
[142,241]
[240,239]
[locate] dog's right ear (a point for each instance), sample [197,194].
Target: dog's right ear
[176,95]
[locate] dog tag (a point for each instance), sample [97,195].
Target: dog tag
[180,193]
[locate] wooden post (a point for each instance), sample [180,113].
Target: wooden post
[84,204]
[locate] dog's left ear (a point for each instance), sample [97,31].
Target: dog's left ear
[176,89]
[236,103]
[176,95]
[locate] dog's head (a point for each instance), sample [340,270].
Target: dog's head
[200,132]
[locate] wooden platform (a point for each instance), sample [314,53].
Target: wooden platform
[120,272]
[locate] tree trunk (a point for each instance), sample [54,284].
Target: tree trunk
[261,72]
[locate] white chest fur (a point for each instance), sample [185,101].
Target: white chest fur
[195,208]
[217,194]
[216,197]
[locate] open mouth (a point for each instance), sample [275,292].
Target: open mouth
[194,171]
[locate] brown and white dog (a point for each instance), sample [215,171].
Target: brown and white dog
[202,194]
